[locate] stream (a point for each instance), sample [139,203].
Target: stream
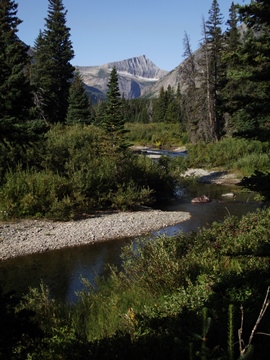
[62,269]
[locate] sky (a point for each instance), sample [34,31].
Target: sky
[104,31]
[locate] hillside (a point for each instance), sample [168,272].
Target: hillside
[135,76]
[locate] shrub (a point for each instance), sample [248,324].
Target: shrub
[154,133]
[240,154]
[34,194]
[80,173]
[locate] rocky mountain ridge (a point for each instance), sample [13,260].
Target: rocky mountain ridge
[135,75]
[138,76]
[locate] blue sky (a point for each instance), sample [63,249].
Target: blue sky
[104,31]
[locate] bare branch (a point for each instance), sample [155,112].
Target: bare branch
[264,307]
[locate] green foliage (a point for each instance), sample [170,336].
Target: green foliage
[174,296]
[18,334]
[76,172]
[15,90]
[259,182]
[153,267]
[130,196]
[58,337]
[247,81]
[240,154]
[51,69]
[150,134]
[113,118]
[78,105]
[31,193]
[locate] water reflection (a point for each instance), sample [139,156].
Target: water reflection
[203,215]
[62,269]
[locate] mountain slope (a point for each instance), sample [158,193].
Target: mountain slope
[177,76]
[173,78]
[134,75]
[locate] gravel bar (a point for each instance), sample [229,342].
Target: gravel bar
[36,236]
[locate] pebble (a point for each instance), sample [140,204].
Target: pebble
[24,237]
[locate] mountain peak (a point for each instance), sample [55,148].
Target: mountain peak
[139,66]
[134,75]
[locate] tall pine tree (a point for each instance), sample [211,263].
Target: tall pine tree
[113,118]
[15,91]
[230,60]
[52,71]
[190,100]
[78,104]
[202,101]
[214,44]
[251,74]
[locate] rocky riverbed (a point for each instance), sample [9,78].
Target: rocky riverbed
[24,237]
[35,236]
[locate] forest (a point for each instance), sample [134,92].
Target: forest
[201,295]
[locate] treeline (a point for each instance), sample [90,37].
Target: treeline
[224,85]
[226,94]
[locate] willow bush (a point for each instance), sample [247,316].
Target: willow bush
[81,171]
[154,134]
[234,154]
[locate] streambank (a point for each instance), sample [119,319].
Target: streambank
[219,177]
[25,237]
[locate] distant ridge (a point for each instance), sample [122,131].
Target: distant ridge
[135,75]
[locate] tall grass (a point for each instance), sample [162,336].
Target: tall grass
[234,154]
[155,134]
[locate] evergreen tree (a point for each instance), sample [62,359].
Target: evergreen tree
[202,102]
[214,42]
[78,104]
[15,91]
[190,99]
[161,105]
[201,127]
[113,118]
[232,34]
[251,74]
[230,59]
[92,109]
[256,15]
[189,65]
[52,71]
[172,114]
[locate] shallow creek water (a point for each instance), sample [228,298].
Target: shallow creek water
[62,269]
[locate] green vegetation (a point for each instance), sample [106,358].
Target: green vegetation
[241,155]
[185,296]
[78,105]
[155,134]
[113,120]
[51,70]
[17,128]
[175,297]
[76,172]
